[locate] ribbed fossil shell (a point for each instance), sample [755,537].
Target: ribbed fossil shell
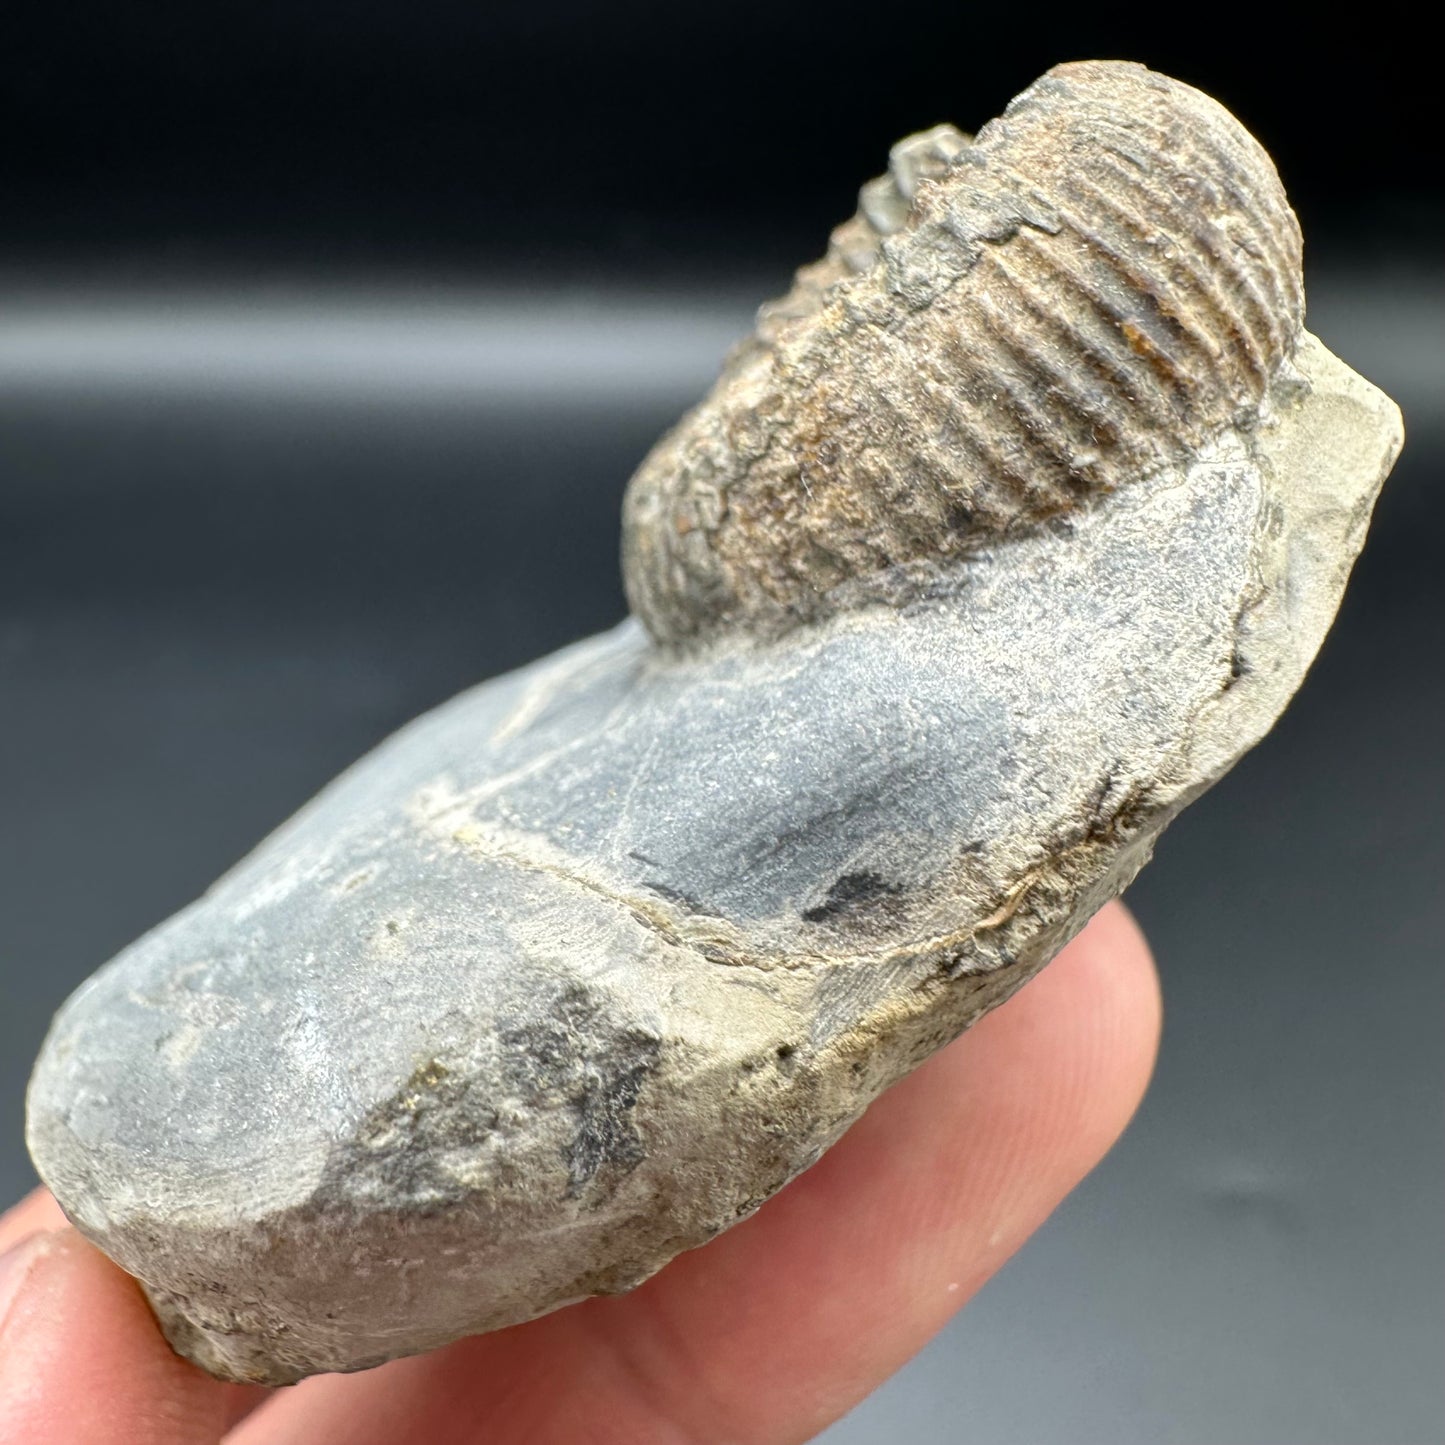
[1103,281]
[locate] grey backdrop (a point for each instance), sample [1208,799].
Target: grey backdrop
[245,532]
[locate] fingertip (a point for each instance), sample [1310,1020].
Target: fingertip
[964,1159]
[1099,1003]
[1113,968]
[81,1357]
[945,1177]
[1123,977]
[36,1212]
[1045,1085]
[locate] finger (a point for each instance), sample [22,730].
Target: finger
[82,1359]
[37,1211]
[781,1325]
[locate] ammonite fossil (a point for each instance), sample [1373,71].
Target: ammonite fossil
[1100,284]
[1012,527]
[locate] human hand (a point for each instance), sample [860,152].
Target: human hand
[766,1335]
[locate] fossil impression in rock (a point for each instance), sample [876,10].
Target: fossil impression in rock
[1015,523]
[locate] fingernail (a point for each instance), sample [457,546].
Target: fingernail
[15,1266]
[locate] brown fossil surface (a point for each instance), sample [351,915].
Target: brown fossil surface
[1102,283]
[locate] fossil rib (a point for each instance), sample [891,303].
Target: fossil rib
[1099,285]
[1013,526]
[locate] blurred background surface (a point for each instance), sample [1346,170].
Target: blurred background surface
[329,336]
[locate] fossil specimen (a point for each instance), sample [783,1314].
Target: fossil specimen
[1017,521]
[1098,286]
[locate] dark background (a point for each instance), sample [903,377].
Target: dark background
[532,138]
[328,338]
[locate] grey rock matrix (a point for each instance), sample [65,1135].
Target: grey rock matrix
[1012,527]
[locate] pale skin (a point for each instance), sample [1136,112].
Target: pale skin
[765,1336]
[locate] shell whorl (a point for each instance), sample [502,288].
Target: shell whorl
[1100,283]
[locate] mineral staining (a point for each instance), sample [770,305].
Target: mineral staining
[1016,523]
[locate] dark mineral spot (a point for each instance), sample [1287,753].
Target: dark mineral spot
[683,900]
[578,1059]
[958,517]
[605,1132]
[854,894]
[401,1141]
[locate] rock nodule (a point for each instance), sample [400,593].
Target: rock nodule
[1012,527]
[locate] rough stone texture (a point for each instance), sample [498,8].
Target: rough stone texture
[579,969]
